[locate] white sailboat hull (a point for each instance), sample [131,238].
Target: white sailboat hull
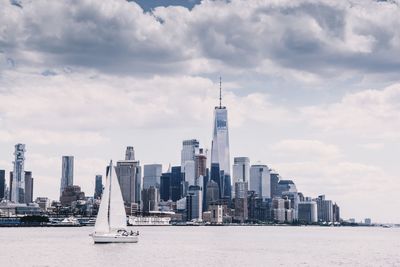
[114,238]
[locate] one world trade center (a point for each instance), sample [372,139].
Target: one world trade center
[220,160]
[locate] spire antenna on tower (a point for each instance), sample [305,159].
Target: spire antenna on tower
[220,92]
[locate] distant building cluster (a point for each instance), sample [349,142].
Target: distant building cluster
[204,188]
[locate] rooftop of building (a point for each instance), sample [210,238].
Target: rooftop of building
[286,182]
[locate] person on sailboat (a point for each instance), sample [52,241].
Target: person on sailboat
[133,233]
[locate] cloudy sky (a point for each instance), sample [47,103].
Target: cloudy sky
[312,88]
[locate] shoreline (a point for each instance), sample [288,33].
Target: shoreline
[205,225]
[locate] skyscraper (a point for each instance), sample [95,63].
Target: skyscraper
[201,173]
[212,193]
[194,200]
[18,178]
[220,158]
[177,179]
[98,188]
[241,170]
[274,184]
[67,172]
[336,213]
[200,161]
[190,172]
[189,149]
[129,177]
[150,199]
[260,181]
[151,175]
[325,209]
[28,187]
[241,209]
[171,187]
[165,186]
[11,182]
[2,183]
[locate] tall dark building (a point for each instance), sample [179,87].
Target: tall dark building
[336,213]
[165,186]
[98,189]
[11,187]
[171,184]
[274,184]
[325,209]
[204,187]
[241,209]
[212,193]
[150,199]
[28,187]
[194,201]
[216,177]
[177,178]
[2,183]
[67,172]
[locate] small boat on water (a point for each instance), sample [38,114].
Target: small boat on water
[70,221]
[149,221]
[111,226]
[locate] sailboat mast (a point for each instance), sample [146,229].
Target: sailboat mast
[109,194]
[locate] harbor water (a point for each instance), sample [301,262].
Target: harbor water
[205,246]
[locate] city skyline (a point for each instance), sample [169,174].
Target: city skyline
[316,102]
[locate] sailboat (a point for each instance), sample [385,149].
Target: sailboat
[111,226]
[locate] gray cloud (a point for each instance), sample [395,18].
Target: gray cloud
[319,37]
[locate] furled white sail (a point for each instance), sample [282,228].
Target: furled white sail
[102,225]
[117,215]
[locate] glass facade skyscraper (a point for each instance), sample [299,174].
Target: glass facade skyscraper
[274,184]
[129,174]
[194,201]
[220,157]
[177,178]
[67,172]
[241,170]
[260,181]
[28,187]
[129,177]
[151,175]
[171,185]
[241,208]
[189,149]
[324,209]
[98,189]
[165,186]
